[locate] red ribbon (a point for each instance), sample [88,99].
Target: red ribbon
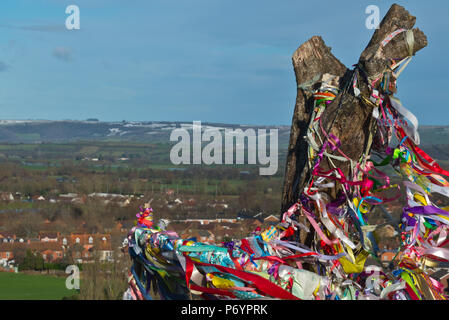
[246,246]
[262,284]
[426,160]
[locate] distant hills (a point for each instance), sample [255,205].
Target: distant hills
[434,139]
[42,131]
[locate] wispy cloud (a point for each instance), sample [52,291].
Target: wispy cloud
[4,67]
[63,53]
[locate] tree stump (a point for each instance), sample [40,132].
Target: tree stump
[347,117]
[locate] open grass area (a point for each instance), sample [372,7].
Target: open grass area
[19,286]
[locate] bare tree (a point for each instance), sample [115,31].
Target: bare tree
[349,116]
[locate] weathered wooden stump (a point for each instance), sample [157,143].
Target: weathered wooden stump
[348,117]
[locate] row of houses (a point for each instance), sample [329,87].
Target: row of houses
[217,230]
[54,246]
[271,219]
[121,200]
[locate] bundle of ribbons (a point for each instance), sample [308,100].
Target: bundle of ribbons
[269,265]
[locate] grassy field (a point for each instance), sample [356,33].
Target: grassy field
[19,286]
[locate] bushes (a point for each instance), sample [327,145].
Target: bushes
[33,261]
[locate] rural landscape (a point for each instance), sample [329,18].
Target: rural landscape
[196,151]
[70,191]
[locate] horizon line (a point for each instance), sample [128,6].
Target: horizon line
[96,120]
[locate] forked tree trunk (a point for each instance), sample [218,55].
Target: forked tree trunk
[347,117]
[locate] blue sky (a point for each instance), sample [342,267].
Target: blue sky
[184,60]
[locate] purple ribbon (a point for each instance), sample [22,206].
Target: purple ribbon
[273,270]
[426,210]
[333,207]
[323,148]
[229,245]
[421,210]
[389,151]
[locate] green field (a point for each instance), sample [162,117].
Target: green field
[19,286]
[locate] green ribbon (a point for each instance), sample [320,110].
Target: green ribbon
[384,162]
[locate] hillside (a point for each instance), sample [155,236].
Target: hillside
[434,138]
[36,131]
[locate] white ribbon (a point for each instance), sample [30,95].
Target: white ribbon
[412,132]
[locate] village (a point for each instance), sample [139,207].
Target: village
[207,219]
[81,246]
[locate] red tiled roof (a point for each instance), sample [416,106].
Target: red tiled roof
[84,238]
[48,234]
[57,245]
[7,234]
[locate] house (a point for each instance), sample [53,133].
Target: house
[48,236]
[86,238]
[387,256]
[6,196]
[7,237]
[271,219]
[6,251]
[85,253]
[105,251]
[53,246]
[85,244]
[77,253]
[51,251]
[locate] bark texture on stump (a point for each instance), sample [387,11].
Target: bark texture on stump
[347,117]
